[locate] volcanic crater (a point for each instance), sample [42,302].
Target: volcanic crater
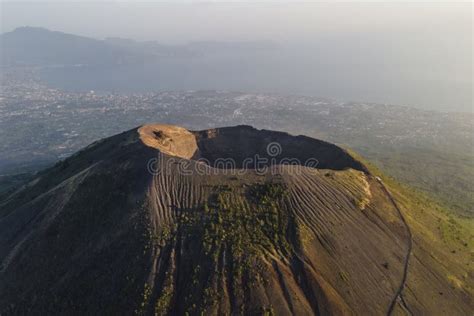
[242,144]
[101,234]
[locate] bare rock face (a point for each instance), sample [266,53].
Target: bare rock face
[161,220]
[168,139]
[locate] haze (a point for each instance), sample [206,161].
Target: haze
[410,54]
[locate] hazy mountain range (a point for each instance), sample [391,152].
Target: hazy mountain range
[345,67]
[34,46]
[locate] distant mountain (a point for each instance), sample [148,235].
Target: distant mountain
[40,46]
[150,222]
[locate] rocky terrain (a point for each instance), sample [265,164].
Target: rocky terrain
[162,220]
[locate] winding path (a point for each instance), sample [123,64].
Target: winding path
[398,294]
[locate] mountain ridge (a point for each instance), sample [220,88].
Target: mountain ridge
[39,46]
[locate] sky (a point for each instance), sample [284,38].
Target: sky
[428,42]
[193,20]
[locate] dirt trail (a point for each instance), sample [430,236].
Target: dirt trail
[398,294]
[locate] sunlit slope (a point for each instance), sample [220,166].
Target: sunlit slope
[441,266]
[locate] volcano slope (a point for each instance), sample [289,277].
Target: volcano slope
[162,220]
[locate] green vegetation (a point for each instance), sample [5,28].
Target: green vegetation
[446,175]
[344,276]
[432,219]
[162,305]
[230,234]
[268,311]
[8,183]
[145,300]
[247,224]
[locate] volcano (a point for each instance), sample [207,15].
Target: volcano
[236,220]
